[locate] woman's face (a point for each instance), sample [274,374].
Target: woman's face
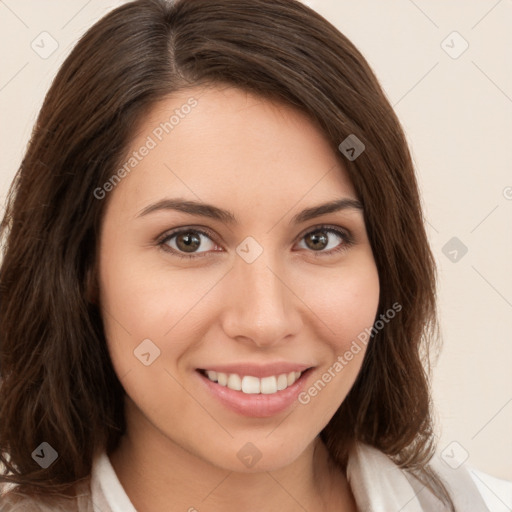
[246,291]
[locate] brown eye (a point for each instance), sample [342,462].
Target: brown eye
[323,238]
[316,241]
[186,243]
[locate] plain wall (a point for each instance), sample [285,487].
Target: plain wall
[456,109]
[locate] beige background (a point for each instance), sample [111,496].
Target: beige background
[457,113]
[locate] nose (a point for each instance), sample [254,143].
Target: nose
[261,309]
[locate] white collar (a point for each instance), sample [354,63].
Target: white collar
[377,483]
[107,493]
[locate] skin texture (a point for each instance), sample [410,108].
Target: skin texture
[265,162]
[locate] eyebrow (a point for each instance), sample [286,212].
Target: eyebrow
[226,216]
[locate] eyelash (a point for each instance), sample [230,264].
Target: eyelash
[347,241]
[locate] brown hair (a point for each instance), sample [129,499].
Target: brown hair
[58,384]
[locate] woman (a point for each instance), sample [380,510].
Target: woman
[217,291]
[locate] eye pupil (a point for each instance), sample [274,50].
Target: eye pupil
[316,238]
[190,241]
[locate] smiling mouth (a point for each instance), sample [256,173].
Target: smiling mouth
[250,385]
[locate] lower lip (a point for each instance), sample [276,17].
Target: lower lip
[256,405]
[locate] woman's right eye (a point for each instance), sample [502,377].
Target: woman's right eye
[183,243]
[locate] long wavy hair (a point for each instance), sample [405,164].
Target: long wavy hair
[57,381]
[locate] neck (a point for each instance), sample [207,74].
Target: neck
[156,472]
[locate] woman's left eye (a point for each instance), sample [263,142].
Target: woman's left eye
[318,240]
[185,242]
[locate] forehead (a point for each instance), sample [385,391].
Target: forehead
[225,145]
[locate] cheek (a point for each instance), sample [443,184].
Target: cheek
[147,315]
[145,298]
[345,309]
[347,303]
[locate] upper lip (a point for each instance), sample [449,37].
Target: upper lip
[258,370]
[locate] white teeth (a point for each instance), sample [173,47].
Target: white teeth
[222,378]
[212,375]
[282,382]
[253,385]
[268,385]
[234,382]
[250,385]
